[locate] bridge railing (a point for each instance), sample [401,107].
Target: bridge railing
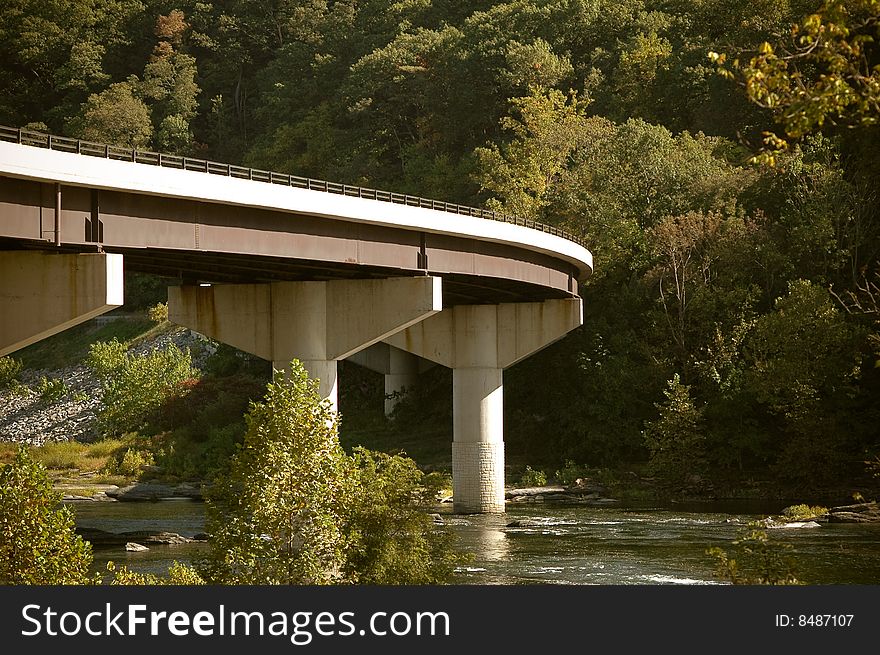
[67,144]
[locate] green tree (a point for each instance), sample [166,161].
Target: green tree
[116,116]
[275,517]
[675,439]
[805,364]
[825,72]
[170,87]
[549,129]
[391,536]
[38,544]
[137,386]
[293,508]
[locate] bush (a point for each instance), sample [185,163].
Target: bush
[804,512]
[137,386]
[9,370]
[675,439]
[532,478]
[106,357]
[755,560]
[38,544]
[571,472]
[178,574]
[391,538]
[158,313]
[129,464]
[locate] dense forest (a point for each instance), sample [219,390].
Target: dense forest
[721,158]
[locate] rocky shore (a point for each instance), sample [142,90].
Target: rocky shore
[26,418]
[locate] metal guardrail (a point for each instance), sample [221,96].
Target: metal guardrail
[66,144]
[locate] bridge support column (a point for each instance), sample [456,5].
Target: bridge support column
[318,323]
[42,294]
[478,342]
[399,368]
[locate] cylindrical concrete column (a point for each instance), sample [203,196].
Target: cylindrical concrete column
[478,440]
[322,370]
[403,373]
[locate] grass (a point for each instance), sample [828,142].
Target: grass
[430,447]
[72,346]
[69,455]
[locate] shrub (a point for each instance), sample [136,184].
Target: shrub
[38,544]
[391,538]
[804,512]
[178,574]
[137,386]
[571,472]
[675,438]
[755,560]
[51,389]
[130,464]
[158,313]
[532,478]
[106,357]
[9,370]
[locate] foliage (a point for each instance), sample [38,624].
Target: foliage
[391,536]
[548,131]
[275,516]
[158,313]
[136,386]
[178,574]
[755,560]
[9,370]
[293,508]
[570,473]
[116,116]
[38,544]
[824,72]
[51,389]
[604,118]
[675,439]
[804,512]
[532,478]
[129,463]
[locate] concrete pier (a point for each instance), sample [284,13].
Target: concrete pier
[43,293]
[478,342]
[318,323]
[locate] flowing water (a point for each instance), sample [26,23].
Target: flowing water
[559,545]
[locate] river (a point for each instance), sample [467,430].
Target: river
[617,545]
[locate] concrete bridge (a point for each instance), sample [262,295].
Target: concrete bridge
[287,267]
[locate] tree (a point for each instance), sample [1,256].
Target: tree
[676,439]
[137,386]
[38,544]
[392,538]
[116,116]
[293,508]
[550,128]
[824,73]
[169,83]
[275,517]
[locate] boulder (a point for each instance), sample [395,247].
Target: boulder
[132,547]
[102,538]
[155,491]
[858,513]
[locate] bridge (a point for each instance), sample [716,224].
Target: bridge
[287,267]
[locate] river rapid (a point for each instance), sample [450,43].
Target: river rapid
[609,545]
